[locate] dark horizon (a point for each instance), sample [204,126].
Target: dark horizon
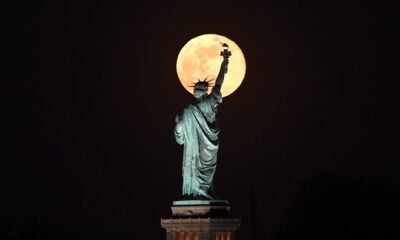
[93,94]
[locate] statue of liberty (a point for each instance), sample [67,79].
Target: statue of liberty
[196,128]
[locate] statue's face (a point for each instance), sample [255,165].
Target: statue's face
[199,93]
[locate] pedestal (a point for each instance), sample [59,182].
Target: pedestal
[200,220]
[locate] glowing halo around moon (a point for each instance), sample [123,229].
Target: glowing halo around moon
[200,58]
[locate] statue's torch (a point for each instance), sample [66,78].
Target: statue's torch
[225,53]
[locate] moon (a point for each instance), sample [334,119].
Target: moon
[200,58]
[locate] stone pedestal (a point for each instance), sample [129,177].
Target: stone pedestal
[200,220]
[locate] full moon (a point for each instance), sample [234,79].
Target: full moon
[200,58]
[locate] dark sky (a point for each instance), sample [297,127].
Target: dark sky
[89,135]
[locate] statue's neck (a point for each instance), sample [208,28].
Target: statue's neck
[197,100]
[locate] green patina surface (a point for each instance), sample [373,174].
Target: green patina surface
[197,130]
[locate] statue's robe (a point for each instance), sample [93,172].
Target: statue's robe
[198,132]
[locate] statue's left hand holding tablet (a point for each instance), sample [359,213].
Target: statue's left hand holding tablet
[178,122]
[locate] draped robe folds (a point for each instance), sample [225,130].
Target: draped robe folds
[198,132]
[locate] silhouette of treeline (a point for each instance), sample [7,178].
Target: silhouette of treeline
[334,207]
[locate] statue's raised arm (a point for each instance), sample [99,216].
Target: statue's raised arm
[221,75]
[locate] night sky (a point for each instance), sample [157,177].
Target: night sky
[89,146]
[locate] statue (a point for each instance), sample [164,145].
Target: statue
[196,128]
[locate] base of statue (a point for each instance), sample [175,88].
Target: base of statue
[200,220]
[210,208]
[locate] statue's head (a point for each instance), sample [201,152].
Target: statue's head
[201,88]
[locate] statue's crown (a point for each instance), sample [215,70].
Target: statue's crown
[202,84]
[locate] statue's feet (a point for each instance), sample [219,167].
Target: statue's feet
[206,195]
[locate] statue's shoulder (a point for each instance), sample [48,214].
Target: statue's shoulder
[190,108]
[215,97]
